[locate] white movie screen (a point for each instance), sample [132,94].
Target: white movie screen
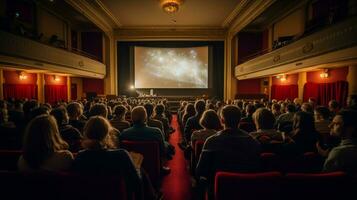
[171,67]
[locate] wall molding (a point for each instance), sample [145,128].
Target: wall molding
[333,44]
[17,50]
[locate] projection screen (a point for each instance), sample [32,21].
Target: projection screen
[171,67]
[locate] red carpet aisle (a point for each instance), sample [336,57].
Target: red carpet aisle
[177,185]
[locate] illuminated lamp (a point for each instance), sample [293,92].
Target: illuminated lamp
[283,78]
[56,78]
[171,6]
[132,87]
[22,76]
[324,74]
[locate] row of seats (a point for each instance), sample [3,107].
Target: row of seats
[275,186]
[308,162]
[149,149]
[62,186]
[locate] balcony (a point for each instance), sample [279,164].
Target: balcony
[337,43]
[20,51]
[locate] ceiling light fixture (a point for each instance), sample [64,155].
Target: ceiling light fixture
[283,78]
[171,6]
[22,76]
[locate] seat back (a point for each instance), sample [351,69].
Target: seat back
[8,159]
[247,186]
[309,162]
[151,152]
[61,186]
[332,185]
[270,161]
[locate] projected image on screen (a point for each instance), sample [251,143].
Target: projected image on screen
[171,67]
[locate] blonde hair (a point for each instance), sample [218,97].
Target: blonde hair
[97,133]
[42,139]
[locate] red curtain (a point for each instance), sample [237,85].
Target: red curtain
[324,92]
[282,92]
[55,93]
[20,91]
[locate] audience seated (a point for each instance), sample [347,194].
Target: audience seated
[99,157]
[160,115]
[68,133]
[151,121]
[44,150]
[193,123]
[141,132]
[75,112]
[285,120]
[266,134]
[344,156]
[119,121]
[230,149]
[210,123]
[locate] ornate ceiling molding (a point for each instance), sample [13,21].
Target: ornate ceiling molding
[234,13]
[109,13]
[252,9]
[92,14]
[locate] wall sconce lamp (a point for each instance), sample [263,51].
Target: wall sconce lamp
[283,78]
[22,76]
[56,78]
[324,74]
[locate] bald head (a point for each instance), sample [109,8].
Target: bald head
[138,115]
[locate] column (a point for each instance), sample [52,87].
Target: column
[41,87]
[351,78]
[69,96]
[109,52]
[301,83]
[227,68]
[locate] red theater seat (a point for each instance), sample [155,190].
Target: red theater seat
[61,186]
[247,186]
[309,162]
[270,161]
[151,152]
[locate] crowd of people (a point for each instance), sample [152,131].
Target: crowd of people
[85,136]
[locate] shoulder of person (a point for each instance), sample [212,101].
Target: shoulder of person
[64,154]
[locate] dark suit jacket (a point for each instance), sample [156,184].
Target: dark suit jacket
[229,150]
[193,123]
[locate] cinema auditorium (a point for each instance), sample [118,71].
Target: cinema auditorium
[178,99]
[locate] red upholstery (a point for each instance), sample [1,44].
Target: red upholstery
[334,185]
[8,159]
[270,161]
[61,186]
[151,152]
[246,126]
[248,186]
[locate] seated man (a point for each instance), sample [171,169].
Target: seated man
[231,149]
[344,156]
[141,132]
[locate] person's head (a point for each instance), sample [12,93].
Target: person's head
[230,116]
[61,115]
[312,101]
[190,109]
[138,115]
[333,105]
[119,111]
[149,109]
[38,111]
[29,106]
[41,140]
[74,110]
[96,133]
[321,113]
[200,106]
[249,109]
[264,119]
[304,122]
[210,120]
[98,109]
[307,107]
[290,108]
[297,101]
[159,109]
[276,108]
[344,124]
